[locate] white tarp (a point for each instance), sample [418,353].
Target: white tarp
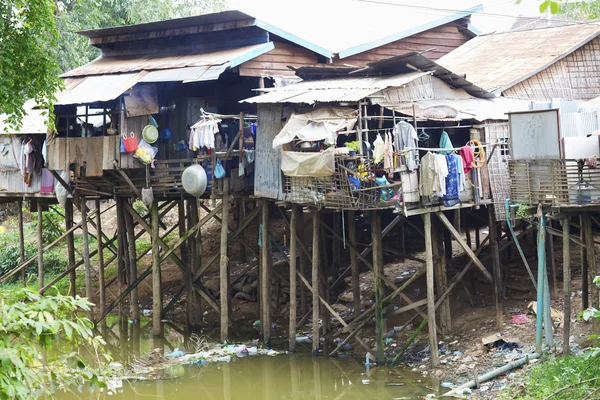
[320,124]
[308,164]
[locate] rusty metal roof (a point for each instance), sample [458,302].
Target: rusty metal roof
[499,61]
[96,89]
[334,90]
[151,62]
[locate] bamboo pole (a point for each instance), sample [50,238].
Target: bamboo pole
[194,301]
[566,286]
[183,250]
[71,245]
[86,256]
[293,283]
[21,240]
[496,267]
[132,272]
[315,283]
[101,284]
[121,250]
[157,328]
[224,265]
[584,267]
[265,276]
[433,344]
[354,264]
[592,268]
[304,305]
[40,245]
[441,280]
[378,272]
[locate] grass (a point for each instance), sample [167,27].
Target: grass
[577,376]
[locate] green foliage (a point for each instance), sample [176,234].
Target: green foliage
[581,10]
[40,342]
[553,6]
[140,208]
[52,224]
[354,146]
[28,69]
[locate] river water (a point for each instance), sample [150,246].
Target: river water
[298,376]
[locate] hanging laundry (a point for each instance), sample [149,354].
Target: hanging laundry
[406,136]
[441,172]
[466,153]
[378,151]
[462,182]
[388,152]
[428,182]
[452,195]
[202,133]
[445,143]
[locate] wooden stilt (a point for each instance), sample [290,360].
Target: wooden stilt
[584,267]
[402,238]
[121,249]
[441,279]
[40,245]
[323,286]
[224,265]
[304,304]
[100,243]
[240,216]
[550,251]
[132,272]
[86,255]
[265,275]
[157,327]
[315,282]
[566,286]
[378,272]
[433,344]
[496,266]
[194,300]
[477,234]
[467,230]
[22,240]
[591,265]
[335,247]
[354,262]
[293,271]
[183,249]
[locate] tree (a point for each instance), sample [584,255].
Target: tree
[581,10]
[28,67]
[30,326]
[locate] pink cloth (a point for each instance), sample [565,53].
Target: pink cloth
[388,152]
[466,154]
[47,183]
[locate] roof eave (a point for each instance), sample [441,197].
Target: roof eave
[404,34]
[294,39]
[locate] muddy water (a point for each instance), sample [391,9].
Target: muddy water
[298,376]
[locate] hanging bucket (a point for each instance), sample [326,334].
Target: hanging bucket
[194,180]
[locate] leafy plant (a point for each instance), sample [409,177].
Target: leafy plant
[52,224]
[140,208]
[353,146]
[40,344]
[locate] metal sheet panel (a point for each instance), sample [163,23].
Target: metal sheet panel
[535,135]
[96,89]
[267,173]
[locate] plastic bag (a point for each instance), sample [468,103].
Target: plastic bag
[61,192]
[219,170]
[145,152]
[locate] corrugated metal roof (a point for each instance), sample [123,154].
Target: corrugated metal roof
[499,61]
[97,89]
[461,109]
[33,123]
[334,90]
[151,62]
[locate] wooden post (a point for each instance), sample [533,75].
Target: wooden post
[584,267]
[157,328]
[302,261]
[335,247]
[194,301]
[566,285]
[101,283]
[224,264]
[293,283]
[550,251]
[86,255]
[354,262]
[121,250]
[265,276]
[132,272]
[376,239]
[467,230]
[591,266]
[315,282]
[323,285]
[40,245]
[477,235]
[22,240]
[185,275]
[435,358]
[496,266]
[441,279]
[240,216]
[71,246]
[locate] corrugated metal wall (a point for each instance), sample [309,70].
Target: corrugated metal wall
[267,173]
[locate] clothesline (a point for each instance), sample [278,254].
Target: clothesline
[439,149]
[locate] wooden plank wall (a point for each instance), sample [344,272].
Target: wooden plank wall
[440,40]
[276,61]
[267,173]
[135,125]
[575,77]
[97,153]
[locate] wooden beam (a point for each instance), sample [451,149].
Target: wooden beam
[441,279]
[433,343]
[293,285]
[132,272]
[464,245]
[40,245]
[315,283]
[495,251]
[71,247]
[354,264]
[566,286]
[86,256]
[157,327]
[265,275]
[224,265]
[99,242]
[378,273]
[134,188]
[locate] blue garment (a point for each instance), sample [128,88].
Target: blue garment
[386,194]
[445,143]
[452,196]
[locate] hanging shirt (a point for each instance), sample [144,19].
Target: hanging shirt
[388,152]
[406,136]
[445,143]
[462,182]
[378,151]
[452,195]
[427,175]
[441,172]
[466,154]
